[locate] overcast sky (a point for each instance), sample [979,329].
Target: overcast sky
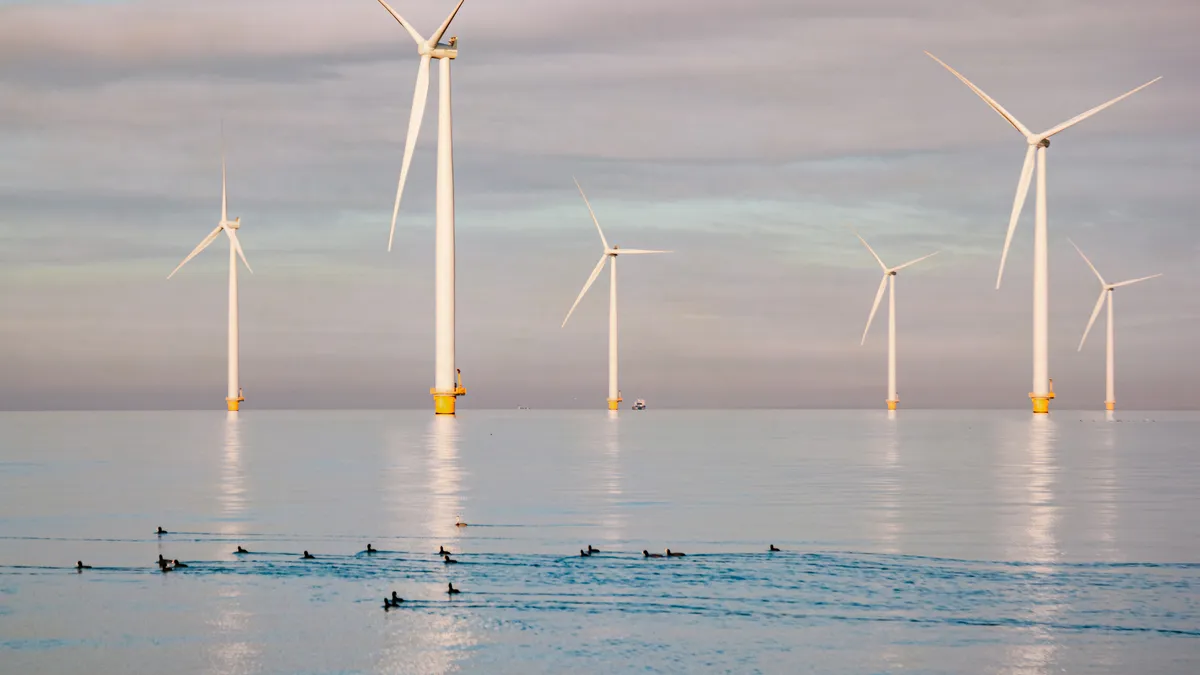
[743,134]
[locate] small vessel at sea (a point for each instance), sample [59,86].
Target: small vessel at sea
[639,404]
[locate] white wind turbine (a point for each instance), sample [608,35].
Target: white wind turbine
[233,397]
[888,282]
[447,388]
[1106,294]
[610,252]
[1036,152]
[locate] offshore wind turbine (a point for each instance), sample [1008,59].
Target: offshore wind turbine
[889,283]
[610,253]
[447,386]
[233,395]
[1036,154]
[1106,295]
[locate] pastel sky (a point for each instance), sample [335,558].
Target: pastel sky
[743,134]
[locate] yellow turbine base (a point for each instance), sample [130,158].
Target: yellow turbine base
[1110,405]
[233,404]
[444,401]
[892,404]
[615,403]
[1041,404]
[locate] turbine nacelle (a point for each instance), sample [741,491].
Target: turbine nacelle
[234,224]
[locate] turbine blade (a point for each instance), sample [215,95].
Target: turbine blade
[986,99]
[636,251]
[874,308]
[1095,313]
[591,280]
[589,207]
[1134,281]
[914,262]
[877,258]
[1089,263]
[433,39]
[1018,204]
[420,94]
[411,31]
[237,246]
[1079,118]
[196,251]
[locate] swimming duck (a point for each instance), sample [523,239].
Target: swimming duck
[451,589]
[241,550]
[674,554]
[308,556]
[396,599]
[371,549]
[651,555]
[592,550]
[387,603]
[176,564]
[163,562]
[161,531]
[584,554]
[80,566]
[443,551]
[773,549]
[448,560]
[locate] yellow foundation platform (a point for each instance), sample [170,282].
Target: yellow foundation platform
[1041,404]
[892,404]
[1110,405]
[444,402]
[615,403]
[234,404]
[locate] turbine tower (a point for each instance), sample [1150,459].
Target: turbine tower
[447,386]
[233,395]
[610,252]
[888,282]
[1106,294]
[1036,153]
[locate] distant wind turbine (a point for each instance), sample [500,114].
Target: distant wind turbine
[1106,294]
[447,387]
[888,282]
[610,252]
[1036,152]
[233,397]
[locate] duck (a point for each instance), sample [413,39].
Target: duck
[448,560]
[176,564]
[80,566]
[584,554]
[450,589]
[241,550]
[772,549]
[308,556]
[387,603]
[648,554]
[442,551]
[396,599]
[674,554]
[161,531]
[163,562]
[371,549]
[592,550]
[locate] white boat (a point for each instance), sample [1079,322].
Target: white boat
[639,404]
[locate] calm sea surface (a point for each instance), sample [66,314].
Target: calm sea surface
[936,542]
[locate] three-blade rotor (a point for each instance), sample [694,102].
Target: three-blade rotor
[425,48]
[887,272]
[1034,141]
[609,252]
[1105,289]
[230,228]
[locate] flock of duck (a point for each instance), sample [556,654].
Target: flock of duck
[394,601]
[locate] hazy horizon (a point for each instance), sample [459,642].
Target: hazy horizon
[744,136]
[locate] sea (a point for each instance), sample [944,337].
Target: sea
[916,542]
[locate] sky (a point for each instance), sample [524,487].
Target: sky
[745,135]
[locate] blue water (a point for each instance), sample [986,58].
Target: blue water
[930,543]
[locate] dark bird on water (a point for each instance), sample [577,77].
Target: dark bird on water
[448,560]
[451,589]
[396,599]
[443,551]
[177,564]
[80,566]
[674,554]
[584,554]
[387,604]
[371,549]
[651,555]
[241,550]
[161,531]
[773,549]
[592,550]
[308,556]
